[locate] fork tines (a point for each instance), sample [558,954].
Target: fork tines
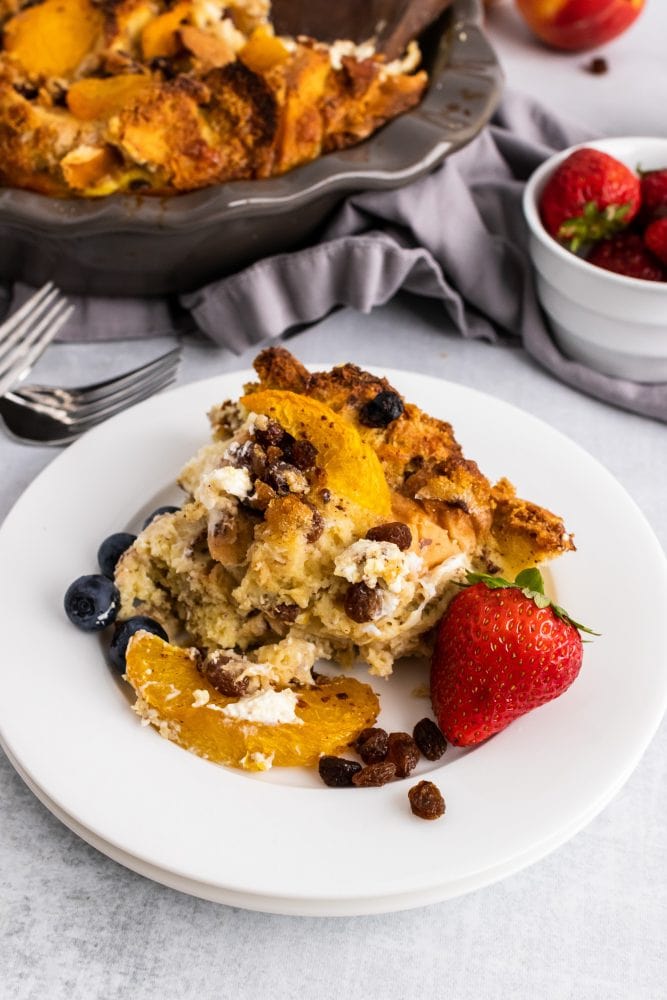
[26,334]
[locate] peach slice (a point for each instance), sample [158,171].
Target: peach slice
[263,51]
[52,38]
[100,98]
[352,468]
[166,678]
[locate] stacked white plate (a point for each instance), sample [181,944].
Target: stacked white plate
[281,841]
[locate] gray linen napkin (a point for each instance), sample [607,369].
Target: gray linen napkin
[457,236]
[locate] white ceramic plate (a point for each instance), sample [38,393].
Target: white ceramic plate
[281,841]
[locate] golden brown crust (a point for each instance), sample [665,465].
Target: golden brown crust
[220,99]
[424,464]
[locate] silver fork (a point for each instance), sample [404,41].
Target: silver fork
[27,334]
[39,414]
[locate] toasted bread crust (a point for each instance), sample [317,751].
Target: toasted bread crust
[424,463]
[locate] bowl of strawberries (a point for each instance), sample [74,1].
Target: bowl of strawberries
[597,216]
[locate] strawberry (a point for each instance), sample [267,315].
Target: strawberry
[626,254]
[654,193]
[655,238]
[502,649]
[590,196]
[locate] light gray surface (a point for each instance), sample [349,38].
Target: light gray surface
[587,922]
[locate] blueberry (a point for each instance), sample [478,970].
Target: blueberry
[157,512]
[112,549]
[124,632]
[380,411]
[92,602]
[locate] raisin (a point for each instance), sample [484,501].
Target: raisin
[262,497]
[426,800]
[392,531]
[215,669]
[302,454]
[372,748]
[162,65]
[362,604]
[403,752]
[386,407]
[374,775]
[325,495]
[364,735]
[429,739]
[257,461]
[337,772]
[277,478]
[286,612]
[26,90]
[272,436]
[316,526]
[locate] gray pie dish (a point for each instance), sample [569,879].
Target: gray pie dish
[128,245]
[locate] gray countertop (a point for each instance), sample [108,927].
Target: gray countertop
[587,921]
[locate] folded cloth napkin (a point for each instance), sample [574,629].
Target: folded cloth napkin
[457,235]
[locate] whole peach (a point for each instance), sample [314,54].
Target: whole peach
[579,24]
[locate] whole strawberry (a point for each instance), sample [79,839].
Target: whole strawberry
[655,238]
[653,193]
[502,649]
[588,197]
[626,254]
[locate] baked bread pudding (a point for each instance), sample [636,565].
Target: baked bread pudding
[327,519]
[167,96]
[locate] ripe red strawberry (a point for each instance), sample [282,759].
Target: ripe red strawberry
[626,254]
[588,197]
[655,238]
[654,193]
[502,649]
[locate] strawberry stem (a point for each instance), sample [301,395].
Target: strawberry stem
[593,224]
[531,584]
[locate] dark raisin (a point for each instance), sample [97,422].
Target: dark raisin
[597,66]
[429,739]
[364,734]
[286,612]
[392,531]
[403,752]
[374,775]
[277,478]
[337,772]
[325,495]
[302,454]
[216,671]
[271,436]
[162,65]
[381,411]
[316,527]
[362,604]
[426,800]
[373,748]
[26,90]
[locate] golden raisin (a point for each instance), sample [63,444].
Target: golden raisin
[374,775]
[426,800]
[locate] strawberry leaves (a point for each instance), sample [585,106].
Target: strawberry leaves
[593,224]
[531,584]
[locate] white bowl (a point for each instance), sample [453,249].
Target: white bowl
[612,323]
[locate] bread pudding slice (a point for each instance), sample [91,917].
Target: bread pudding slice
[327,518]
